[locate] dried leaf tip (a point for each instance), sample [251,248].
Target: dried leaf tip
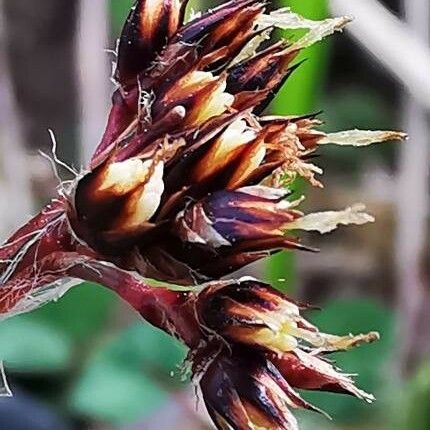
[345,343]
[325,222]
[285,19]
[324,29]
[361,137]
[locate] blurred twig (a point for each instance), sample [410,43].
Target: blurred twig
[16,201]
[413,201]
[404,53]
[93,72]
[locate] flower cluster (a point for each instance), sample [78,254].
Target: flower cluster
[260,350]
[190,182]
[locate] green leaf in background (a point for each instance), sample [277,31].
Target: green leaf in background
[357,107]
[413,408]
[81,313]
[33,346]
[116,394]
[299,95]
[119,10]
[130,377]
[370,362]
[142,346]
[46,339]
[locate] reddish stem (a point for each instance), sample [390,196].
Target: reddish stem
[168,310]
[46,216]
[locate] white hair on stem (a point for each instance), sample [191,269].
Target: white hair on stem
[5,390]
[54,160]
[50,292]
[33,237]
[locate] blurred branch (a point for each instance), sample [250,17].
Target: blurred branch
[15,176]
[413,192]
[404,53]
[93,72]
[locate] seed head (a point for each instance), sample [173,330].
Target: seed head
[190,182]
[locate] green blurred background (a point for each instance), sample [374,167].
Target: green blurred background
[88,362]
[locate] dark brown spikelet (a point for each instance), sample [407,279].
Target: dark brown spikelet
[150,24]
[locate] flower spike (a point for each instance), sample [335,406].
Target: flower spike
[269,351]
[188,184]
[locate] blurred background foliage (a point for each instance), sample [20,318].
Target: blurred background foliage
[87,362]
